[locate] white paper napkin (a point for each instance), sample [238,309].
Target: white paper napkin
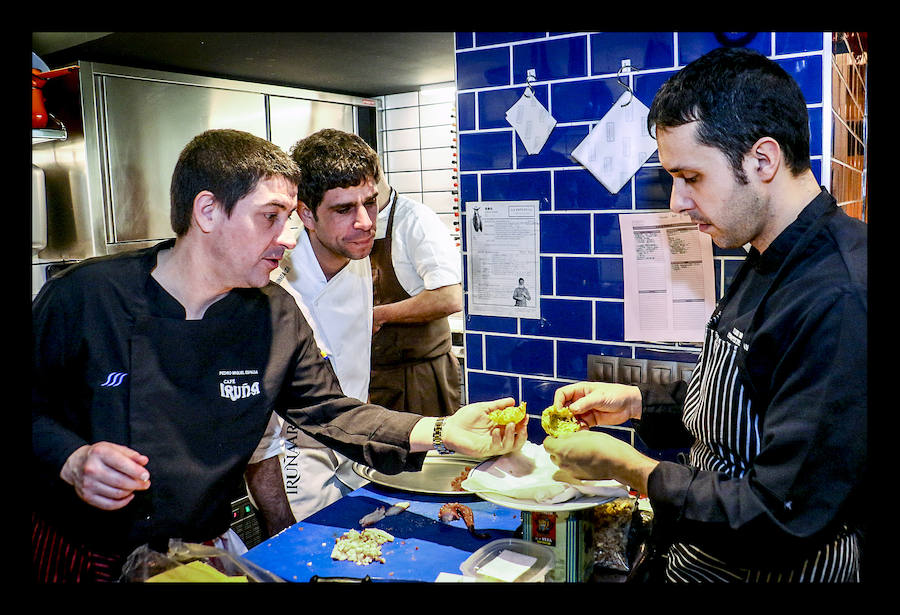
[617,147]
[531,121]
[528,474]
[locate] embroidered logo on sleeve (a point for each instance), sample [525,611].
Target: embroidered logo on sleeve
[114,379]
[236,384]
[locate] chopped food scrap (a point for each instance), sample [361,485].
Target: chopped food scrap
[361,547]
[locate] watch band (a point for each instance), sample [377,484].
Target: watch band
[437,437]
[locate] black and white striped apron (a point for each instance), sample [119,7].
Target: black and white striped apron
[720,415]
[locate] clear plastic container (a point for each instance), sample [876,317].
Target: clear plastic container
[509,560]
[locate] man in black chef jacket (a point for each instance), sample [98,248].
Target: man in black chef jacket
[775,412]
[155,372]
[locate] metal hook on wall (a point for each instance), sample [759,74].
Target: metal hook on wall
[529,79]
[625,68]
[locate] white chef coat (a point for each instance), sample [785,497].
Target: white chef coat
[339,311]
[422,251]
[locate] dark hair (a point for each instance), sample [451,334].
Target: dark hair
[228,163]
[331,159]
[736,96]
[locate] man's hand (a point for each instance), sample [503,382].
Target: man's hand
[471,432]
[600,403]
[106,475]
[591,455]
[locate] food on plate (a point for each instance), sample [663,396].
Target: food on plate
[380,513]
[361,547]
[510,414]
[455,510]
[557,421]
[456,483]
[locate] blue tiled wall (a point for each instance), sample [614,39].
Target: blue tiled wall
[582,309]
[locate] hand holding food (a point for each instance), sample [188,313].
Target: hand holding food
[470,431]
[593,455]
[600,403]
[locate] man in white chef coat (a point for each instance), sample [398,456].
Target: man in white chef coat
[329,275]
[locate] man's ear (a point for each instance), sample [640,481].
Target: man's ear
[306,216]
[206,207]
[767,158]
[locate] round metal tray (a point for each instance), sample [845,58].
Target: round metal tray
[436,476]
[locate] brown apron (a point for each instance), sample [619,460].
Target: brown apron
[413,368]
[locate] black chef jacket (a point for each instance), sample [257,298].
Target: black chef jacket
[115,360]
[779,469]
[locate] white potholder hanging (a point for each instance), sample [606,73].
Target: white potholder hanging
[531,121]
[617,147]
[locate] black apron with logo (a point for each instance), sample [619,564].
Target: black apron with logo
[198,408]
[413,368]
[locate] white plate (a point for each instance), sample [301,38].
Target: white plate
[435,477]
[578,503]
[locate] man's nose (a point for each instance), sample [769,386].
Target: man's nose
[679,201]
[363,219]
[288,235]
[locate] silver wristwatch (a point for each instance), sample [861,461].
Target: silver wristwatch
[438,437]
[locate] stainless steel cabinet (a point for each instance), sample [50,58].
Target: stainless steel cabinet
[107,183]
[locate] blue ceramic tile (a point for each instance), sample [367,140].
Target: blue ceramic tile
[468,189]
[795,42]
[465,111]
[578,189]
[565,233]
[474,358]
[610,321]
[652,188]
[497,38]
[482,68]
[563,58]
[646,86]
[538,394]
[646,50]
[480,151]
[815,131]
[807,71]
[581,101]
[557,151]
[589,277]
[464,40]
[493,105]
[494,324]
[692,45]
[816,166]
[569,318]
[517,186]
[607,234]
[519,355]
[487,387]
[547,287]
[572,357]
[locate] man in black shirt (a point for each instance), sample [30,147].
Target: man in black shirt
[155,372]
[775,412]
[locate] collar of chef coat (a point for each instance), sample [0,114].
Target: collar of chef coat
[339,310]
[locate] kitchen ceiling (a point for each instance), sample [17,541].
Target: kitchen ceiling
[357,63]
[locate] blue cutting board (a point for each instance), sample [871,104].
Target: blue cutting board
[423,546]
